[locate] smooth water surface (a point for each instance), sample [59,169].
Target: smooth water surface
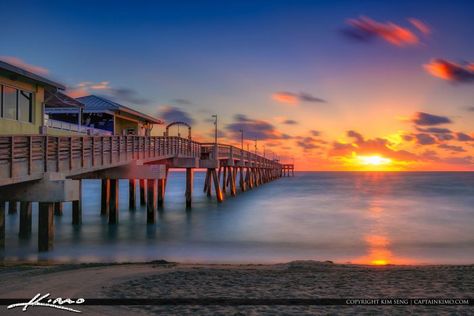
[360,217]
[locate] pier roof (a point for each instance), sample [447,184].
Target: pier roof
[94,103]
[29,75]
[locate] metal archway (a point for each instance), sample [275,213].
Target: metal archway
[178,123]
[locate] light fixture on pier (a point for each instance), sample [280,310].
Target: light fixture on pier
[215,128]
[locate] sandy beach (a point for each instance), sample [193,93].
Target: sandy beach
[298,279]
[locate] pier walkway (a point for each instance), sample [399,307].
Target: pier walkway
[49,170]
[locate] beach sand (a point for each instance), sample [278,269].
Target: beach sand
[299,279]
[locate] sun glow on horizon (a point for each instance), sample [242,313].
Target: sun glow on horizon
[373,160]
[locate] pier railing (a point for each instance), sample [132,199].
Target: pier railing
[235,153]
[29,157]
[24,158]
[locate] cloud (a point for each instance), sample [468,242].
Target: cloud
[292,98]
[451,71]
[426,119]
[435,130]
[315,132]
[306,97]
[440,133]
[173,114]
[253,129]
[364,29]
[357,136]
[180,101]
[425,139]
[126,95]
[420,26]
[464,137]
[290,122]
[452,148]
[372,146]
[15,61]
[308,143]
[470,109]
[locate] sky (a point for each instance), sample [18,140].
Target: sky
[330,85]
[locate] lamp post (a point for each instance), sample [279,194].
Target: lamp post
[242,139]
[255,146]
[215,135]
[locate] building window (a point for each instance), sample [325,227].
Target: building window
[9,103]
[16,104]
[25,102]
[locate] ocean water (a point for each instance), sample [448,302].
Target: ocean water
[358,217]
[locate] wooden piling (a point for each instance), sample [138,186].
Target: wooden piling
[2,225]
[224,179]
[25,220]
[242,179]
[45,226]
[189,186]
[161,192]
[219,194]
[76,212]
[209,183]
[113,202]
[151,201]
[206,181]
[248,178]
[58,208]
[132,204]
[12,207]
[105,197]
[77,208]
[142,192]
[233,173]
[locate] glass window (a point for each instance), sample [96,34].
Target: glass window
[9,103]
[25,102]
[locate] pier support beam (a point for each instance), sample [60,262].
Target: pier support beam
[45,226]
[219,194]
[2,225]
[233,176]
[242,179]
[12,207]
[105,197]
[113,203]
[25,220]
[208,183]
[77,208]
[58,208]
[132,194]
[151,201]
[161,192]
[142,192]
[224,179]
[189,186]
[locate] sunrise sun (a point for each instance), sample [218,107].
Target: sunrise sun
[374,160]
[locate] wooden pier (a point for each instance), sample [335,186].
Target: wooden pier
[49,170]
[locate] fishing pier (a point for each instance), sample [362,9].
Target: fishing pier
[49,170]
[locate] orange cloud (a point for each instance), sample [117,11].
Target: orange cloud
[421,26]
[448,70]
[87,87]
[295,98]
[364,29]
[285,97]
[15,61]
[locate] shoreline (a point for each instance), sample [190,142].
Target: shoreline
[295,279]
[53,263]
